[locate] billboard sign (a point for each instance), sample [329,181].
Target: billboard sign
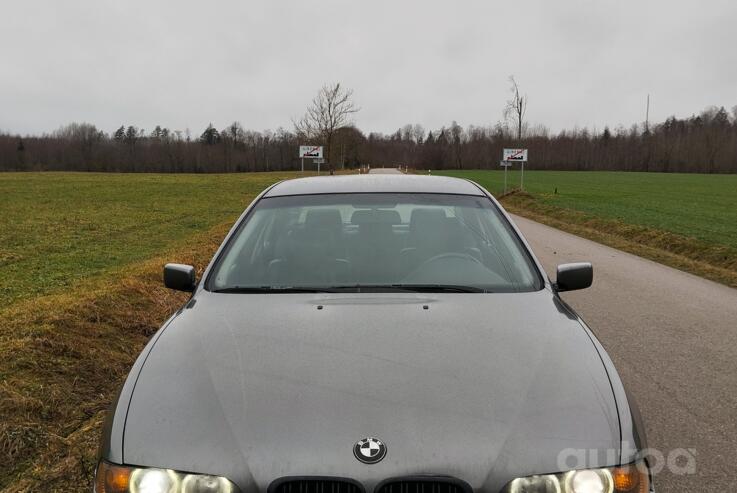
[516,155]
[310,152]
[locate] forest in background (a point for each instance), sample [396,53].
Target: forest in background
[703,143]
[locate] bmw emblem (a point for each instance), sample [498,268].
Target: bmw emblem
[369,450]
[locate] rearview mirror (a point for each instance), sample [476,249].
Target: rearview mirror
[180,277]
[574,276]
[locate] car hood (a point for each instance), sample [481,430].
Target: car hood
[483,387]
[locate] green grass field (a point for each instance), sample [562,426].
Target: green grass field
[698,206]
[59,228]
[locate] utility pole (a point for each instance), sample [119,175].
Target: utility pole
[647,115]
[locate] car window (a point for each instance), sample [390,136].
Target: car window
[375,241]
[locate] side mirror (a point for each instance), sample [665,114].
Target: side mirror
[180,277]
[574,276]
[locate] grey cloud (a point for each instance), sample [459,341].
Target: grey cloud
[185,64]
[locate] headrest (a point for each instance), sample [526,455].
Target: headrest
[426,217]
[323,219]
[375,216]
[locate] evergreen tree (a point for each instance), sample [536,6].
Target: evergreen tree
[210,136]
[119,134]
[131,135]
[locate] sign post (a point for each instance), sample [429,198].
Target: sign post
[517,155]
[319,161]
[522,177]
[505,165]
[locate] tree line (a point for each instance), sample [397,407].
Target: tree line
[704,143]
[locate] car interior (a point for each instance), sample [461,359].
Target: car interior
[347,244]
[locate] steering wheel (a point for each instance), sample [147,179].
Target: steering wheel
[445,256]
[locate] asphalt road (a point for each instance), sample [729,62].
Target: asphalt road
[385,171]
[673,338]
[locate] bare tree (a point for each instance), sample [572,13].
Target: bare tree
[516,107]
[234,132]
[419,133]
[456,135]
[329,111]
[407,132]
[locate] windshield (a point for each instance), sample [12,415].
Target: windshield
[379,242]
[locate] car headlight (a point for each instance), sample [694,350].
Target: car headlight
[633,478]
[111,478]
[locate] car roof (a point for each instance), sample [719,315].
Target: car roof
[374,184]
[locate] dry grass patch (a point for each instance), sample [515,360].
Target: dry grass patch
[63,357]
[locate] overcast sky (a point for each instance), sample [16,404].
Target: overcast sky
[183,64]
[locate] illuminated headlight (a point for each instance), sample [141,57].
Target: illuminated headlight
[111,478]
[633,478]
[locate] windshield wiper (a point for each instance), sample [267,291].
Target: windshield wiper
[439,288]
[273,289]
[419,288]
[357,288]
